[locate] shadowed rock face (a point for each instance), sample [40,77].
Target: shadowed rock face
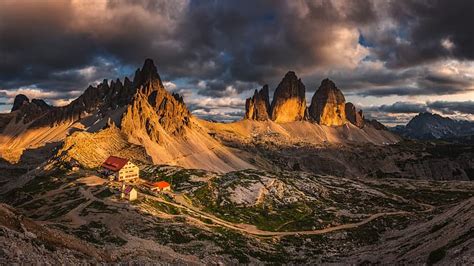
[153,109]
[20,99]
[433,126]
[375,124]
[354,116]
[100,98]
[289,103]
[28,111]
[145,93]
[328,105]
[258,106]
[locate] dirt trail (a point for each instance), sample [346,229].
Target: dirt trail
[253,230]
[74,214]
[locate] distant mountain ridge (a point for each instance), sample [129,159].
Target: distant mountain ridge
[433,126]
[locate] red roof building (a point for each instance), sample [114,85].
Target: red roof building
[114,163]
[160,186]
[120,169]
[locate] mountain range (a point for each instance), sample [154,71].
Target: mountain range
[143,120]
[289,183]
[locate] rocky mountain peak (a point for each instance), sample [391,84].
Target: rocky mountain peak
[289,103]
[20,99]
[41,103]
[328,105]
[434,126]
[147,73]
[29,110]
[375,124]
[257,107]
[354,116]
[153,110]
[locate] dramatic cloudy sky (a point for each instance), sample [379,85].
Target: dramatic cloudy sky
[391,58]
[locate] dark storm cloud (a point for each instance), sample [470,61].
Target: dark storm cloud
[249,41]
[225,48]
[400,108]
[420,80]
[222,88]
[296,37]
[407,91]
[425,31]
[447,107]
[402,112]
[35,41]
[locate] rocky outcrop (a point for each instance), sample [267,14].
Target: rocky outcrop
[154,110]
[41,104]
[354,116]
[91,149]
[29,242]
[289,103]
[258,106]
[20,99]
[101,98]
[28,111]
[328,105]
[375,124]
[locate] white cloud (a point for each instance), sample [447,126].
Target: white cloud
[53,97]
[169,85]
[345,50]
[30,92]
[447,44]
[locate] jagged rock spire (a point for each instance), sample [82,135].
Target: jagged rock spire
[147,73]
[328,105]
[258,106]
[154,111]
[289,103]
[354,116]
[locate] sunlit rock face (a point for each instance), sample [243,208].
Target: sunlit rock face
[289,103]
[258,106]
[154,110]
[328,105]
[354,116]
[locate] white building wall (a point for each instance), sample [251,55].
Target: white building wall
[129,172]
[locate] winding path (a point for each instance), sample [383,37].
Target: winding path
[253,230]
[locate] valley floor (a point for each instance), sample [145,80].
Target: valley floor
[247,216]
